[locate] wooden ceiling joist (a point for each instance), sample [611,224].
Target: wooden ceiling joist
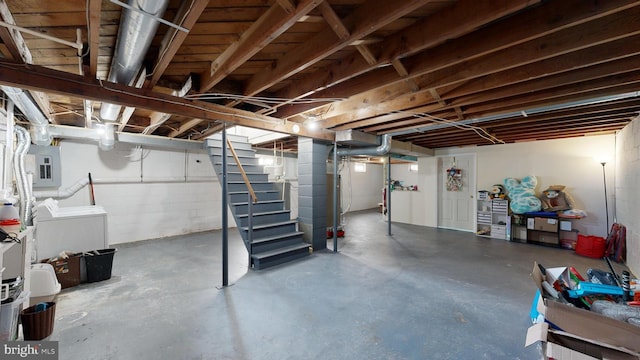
[525,53]
[261,33]
[463,17]
[95,10]
[188,13]
[500,37]
[369,17]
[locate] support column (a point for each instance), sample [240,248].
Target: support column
[312,191]
[225,221]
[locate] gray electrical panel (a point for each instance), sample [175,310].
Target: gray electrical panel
[47,172]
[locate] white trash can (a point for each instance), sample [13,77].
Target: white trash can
[44,284]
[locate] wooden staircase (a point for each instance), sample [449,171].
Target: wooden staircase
[274,238]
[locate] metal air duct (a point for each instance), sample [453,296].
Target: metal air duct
[26,104]
[137,29]
[383,149]
[22,181]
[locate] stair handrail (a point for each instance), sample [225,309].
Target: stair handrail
[242,172]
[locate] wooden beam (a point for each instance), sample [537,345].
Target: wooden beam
[287,5]
[402,71]
[262,32]
[591,35]
[187,16]
[607,86]
[127,113]
[614,85]
[94,9]
[437,97]
[452,22]
[18,49]
[367,18]
[367,107]
[588,57]
[583,36]
[387,118]
[333,20]
[543,20]
[214,129]
[12,38]
[185,127]
[575,77]
[35,77]
[459,112]
[366,53]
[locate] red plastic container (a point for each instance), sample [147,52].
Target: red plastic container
[591,246]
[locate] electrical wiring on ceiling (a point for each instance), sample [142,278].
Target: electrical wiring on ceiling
[478,130]
[268,100]
[105,86]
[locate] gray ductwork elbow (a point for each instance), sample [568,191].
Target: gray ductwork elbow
[380,150]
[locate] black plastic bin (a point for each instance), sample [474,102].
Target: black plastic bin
[99,264]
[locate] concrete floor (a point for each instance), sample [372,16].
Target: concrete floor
[422,293]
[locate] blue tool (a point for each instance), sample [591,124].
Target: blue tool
[587,288]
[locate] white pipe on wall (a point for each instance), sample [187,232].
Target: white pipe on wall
[63,193]
[81,183]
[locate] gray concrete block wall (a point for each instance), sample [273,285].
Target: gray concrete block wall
[312,191]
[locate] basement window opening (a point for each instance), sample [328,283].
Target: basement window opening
[265,161]
[360,167]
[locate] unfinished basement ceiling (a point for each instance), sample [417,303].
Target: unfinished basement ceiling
[431,73]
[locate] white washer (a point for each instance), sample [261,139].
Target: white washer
[76,229]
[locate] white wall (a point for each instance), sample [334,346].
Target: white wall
[567,162]
[627,194]
[165,193]
[147,194]
[361,191]
[285,169]
[427,196]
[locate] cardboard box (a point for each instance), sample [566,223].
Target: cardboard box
[545,224]
[580,330]
[561,345]
[568,239]
[542,237]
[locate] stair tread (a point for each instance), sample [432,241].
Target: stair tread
[265,226]
[282,250]
[257,191]
[246,172]
[276,237]
[259,202]
[218,163]
[265,213]
[242,182]
[229,154]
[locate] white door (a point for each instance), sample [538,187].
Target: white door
[456,192]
